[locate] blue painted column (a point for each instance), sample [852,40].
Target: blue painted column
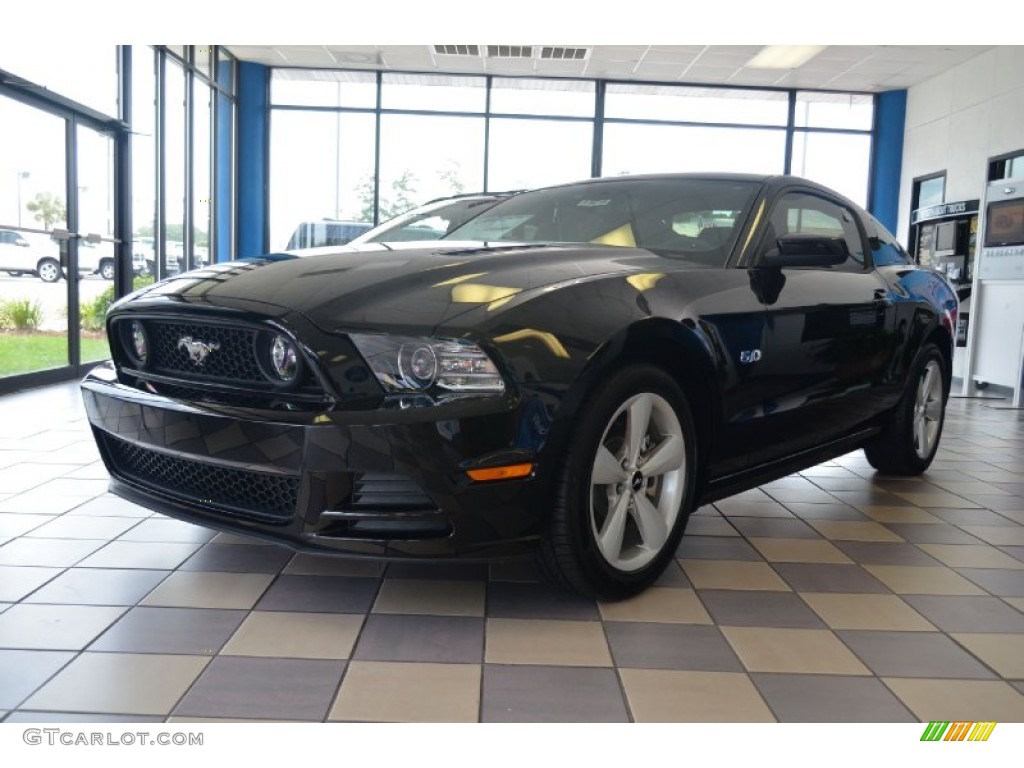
[253,155]
[887,158]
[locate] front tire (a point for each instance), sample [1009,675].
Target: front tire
[49,270]
[909,441]
[107,270]
[624,493]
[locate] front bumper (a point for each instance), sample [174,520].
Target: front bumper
[379,483]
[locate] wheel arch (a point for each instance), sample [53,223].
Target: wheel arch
[672,346]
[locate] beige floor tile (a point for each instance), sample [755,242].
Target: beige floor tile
[198,589]
[971,556]
[886,514]
[798,551]
[733,574]
[811,651]
[1000,535]
[140,554]
[1003,652]
[881,612]
[17,581]
[185,719]
[83,527]
[304,564]
[661,604]
[949,700]
[396,692]
[54,627]
[535,641]
[923,580]
[1016,602]
[663,696]
[932,499]
[280,634]
[853,530]
[123,683]
[435,597]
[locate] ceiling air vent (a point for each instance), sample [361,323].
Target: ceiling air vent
[457,50]
[563,53]
[510,51]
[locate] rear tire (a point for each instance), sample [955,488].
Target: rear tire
[909,441]
[107,269]
[49,270]
[623,495]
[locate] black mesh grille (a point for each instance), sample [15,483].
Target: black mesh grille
[245,493]
[231,356]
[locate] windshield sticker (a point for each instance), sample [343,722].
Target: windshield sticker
[592,203]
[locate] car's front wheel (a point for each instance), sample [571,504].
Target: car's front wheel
[909,441]
[107,269]
[49,270]
[625,490]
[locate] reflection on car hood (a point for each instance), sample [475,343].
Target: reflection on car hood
[411,287]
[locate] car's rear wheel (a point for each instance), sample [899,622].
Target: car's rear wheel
[14,273]
[625,490]
[909,441]
[49,270]
[107,269]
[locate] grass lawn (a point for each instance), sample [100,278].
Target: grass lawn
[26,352]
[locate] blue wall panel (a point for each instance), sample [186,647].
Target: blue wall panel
[887,157]
[253,152]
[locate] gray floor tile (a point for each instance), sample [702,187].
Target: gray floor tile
[913,654]
[26,716]
[239,558]
[519,600]
[716,548]
[17,581]
[999,582]
[338,594]
[646,645]
[22,672]
[884,553]
[472,571]
[925,533]
[273,689]
[968,614]
[525,694]
[455,639]
[830,699]
[828,577]
[1015,552]
[739,608]
[201,631]
[969,517]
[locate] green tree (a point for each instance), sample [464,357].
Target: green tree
[451,175]
[399,199]
[47,209]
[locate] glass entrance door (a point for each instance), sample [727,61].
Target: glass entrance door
[97,262]
[33,209]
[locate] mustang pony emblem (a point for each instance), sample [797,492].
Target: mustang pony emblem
[197,350]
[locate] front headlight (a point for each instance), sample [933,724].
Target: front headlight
[405,364]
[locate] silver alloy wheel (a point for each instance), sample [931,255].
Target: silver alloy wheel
[637,481]
[49,271]
[928,410]
[107,270]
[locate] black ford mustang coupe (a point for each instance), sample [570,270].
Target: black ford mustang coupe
[569,374]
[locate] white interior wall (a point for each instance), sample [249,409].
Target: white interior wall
[958,120]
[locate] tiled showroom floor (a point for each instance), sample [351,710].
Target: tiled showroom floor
[828,596]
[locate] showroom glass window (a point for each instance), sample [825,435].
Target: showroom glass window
[832,141]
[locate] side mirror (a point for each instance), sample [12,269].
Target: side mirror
[800,250]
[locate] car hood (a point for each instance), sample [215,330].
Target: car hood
[414,287]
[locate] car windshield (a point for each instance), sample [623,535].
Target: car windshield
[691,218]
[429,222]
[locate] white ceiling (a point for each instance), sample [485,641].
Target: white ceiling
[838,67]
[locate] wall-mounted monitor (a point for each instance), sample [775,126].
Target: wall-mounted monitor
[1004,223]
[945,236]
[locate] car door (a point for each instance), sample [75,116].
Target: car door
[15,252]
[828,330]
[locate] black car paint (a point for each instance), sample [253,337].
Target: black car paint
[557,320]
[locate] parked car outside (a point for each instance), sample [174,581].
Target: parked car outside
[30,253]
[568,376]
[433,220]
[316,234]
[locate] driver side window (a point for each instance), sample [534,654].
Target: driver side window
[802,213]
